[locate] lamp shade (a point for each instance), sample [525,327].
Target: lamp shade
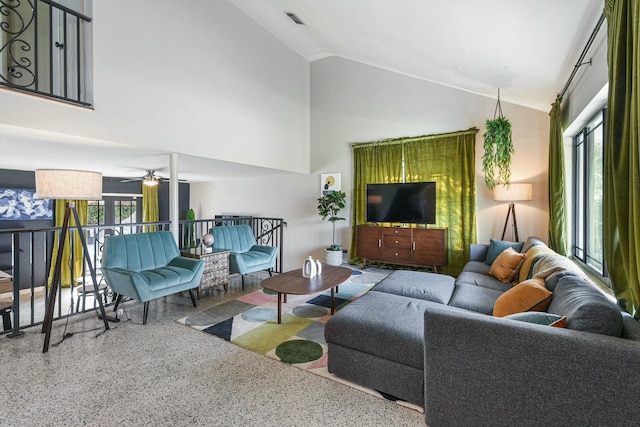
[513,192]
[68,184]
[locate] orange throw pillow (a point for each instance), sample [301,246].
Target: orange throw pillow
[505,263]
[530,295]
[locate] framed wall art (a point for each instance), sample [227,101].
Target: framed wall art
[20,205]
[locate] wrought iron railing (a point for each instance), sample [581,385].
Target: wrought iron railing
[43,50]
[30,252]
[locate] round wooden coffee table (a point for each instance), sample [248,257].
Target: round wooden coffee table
[292,282]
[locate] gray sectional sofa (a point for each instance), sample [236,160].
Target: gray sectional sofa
[431,340]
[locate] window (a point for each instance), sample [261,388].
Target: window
[114,210]
[588,204]
[45,48]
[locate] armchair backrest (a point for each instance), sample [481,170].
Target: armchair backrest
[235,238]
[141,251]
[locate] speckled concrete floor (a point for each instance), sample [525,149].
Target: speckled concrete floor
[166,374]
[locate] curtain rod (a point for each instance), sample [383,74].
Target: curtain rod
[392,141]
[582,55]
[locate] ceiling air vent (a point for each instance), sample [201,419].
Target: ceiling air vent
[295,18]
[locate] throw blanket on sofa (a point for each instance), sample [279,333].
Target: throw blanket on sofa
[532,254]
[550,264]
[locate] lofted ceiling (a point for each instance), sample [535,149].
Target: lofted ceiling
[526,48]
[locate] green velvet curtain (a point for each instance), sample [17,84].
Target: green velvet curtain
[622,153]
[448,159]
[372,163]
[65,269]
[150,206]
[557,182]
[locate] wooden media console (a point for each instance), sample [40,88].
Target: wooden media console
[415,247]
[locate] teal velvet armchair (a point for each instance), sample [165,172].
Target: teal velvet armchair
[146,266]
[245,255]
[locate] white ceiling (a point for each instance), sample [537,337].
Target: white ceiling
[527,48]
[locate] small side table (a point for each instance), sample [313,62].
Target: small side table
[216,267]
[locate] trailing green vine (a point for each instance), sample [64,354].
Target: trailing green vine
[498,148]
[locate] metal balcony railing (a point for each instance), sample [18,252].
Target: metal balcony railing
[45,50]
[28,254]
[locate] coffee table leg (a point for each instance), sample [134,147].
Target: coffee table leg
[279,307]
[332,299]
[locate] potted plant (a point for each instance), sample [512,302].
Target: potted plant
[498,148]
[328,207]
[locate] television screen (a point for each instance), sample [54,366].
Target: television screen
[412,203]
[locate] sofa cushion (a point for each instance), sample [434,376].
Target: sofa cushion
[382,324]
[416,284]
[140,251]
[630,327]
[502,268]
[531,242]
[552,281]
[530,295]
[475,298]
[539,318]
[477,267]
[497,246]
[586,308]
[482,280]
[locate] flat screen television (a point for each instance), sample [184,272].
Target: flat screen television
[411,203]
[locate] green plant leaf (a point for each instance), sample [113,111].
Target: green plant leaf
[498,149]
[328,207]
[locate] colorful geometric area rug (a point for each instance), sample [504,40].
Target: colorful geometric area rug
[250,321]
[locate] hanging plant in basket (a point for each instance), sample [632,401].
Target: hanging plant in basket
[498,148]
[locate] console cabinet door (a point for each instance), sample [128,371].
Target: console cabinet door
[430,246]
[369,244]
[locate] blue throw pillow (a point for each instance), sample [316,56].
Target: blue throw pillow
[540,318]
[497,246]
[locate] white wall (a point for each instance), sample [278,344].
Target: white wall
[353,102]
[197,77]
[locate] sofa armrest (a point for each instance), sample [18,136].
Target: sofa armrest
[484,370]
[187,263]
[126,282]
[269,250]
[478,252]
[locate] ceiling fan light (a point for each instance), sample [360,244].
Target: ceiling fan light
[150,182]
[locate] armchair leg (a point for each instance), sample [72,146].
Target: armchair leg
[146,313]
[269,270]
[193,297]
[242,275]
[118,300]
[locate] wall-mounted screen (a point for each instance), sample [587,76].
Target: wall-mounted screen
[411,203]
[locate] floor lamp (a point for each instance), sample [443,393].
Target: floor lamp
[512,193]
[68,185]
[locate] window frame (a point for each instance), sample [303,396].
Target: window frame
[583,145]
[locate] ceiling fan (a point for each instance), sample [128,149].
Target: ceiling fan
[150,178]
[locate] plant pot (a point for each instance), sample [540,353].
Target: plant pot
[333,257]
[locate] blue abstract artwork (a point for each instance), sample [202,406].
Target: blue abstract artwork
[20,205]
